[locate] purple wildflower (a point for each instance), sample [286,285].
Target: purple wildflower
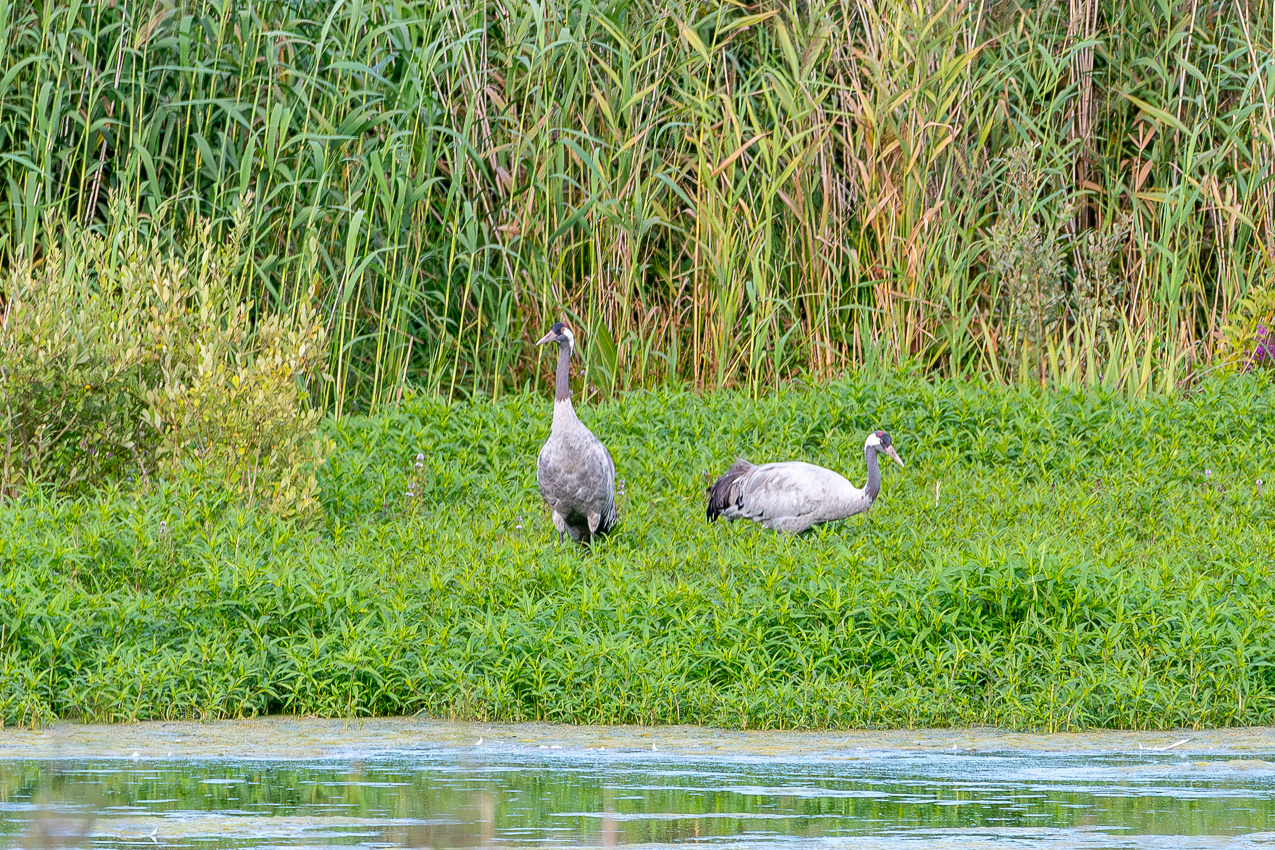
[1264,347]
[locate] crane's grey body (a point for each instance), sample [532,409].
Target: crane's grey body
[793,495]
[574,471]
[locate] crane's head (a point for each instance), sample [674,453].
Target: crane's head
[879,441]
[560,334]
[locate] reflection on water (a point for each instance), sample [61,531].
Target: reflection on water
[471,797]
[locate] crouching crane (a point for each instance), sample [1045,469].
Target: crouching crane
[793,495]
[575,471]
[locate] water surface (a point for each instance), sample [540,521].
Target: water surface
[408,783]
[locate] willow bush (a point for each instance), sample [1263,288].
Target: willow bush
[120,362]
[721,194]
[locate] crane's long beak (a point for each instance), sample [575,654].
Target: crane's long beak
[549,337]
[892,453]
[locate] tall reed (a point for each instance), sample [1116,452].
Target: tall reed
[729,194]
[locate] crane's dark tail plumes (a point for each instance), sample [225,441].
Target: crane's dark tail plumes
[605,527]
[723,491]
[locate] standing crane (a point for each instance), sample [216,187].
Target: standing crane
[793,495]
[575,471]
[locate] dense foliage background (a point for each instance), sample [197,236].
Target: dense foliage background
[723,193]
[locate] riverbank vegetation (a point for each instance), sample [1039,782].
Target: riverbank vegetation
[1047,560]
[726,195]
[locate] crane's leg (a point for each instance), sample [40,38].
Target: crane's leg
[560,524]
[594,519]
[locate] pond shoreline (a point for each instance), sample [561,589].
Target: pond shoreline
[283,738]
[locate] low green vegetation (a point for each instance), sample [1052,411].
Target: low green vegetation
[1045,561]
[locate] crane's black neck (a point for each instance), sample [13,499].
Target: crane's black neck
[874,473]
[562,388]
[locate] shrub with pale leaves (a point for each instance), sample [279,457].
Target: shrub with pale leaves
[124,360]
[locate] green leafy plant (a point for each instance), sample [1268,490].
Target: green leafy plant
[1249,336]
[1026,249]
[1047,560]
[124,360]
[1098,296]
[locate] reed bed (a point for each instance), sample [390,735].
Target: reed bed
[1045,561]
[721,195]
